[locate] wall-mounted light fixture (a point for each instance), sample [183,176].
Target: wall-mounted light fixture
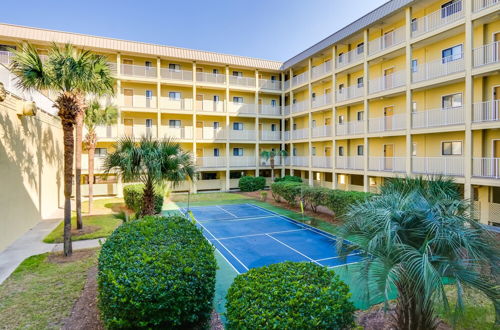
[26,108]
[3,92]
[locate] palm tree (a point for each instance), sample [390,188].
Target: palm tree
[71,74]
[96,115]
[151,162]
[271,155]
[415,234]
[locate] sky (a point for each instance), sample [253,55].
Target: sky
[269,29]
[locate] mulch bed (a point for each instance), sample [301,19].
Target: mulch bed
[87,229]
[59,258]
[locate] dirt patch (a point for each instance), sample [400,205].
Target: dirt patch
[87,229]
[59,258]
[215,322]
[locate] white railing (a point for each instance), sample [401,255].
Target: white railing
[322,69]
[287,135]
[439,68]
[170,74]
[300,79]
[298,161]
[98,163]
[350,92]
[213,78]
[179,132]
[137,131]
[210,133]
[301,133]
[211,162]
[349,162]
[104,132]
[210,106]
[242,81]
[486,111]
[348,128]
[287,110]
[5,57]
[386,41]
[274,85]
[322,161]
[352,56]
[139,101]
[182,104]
[300,106]
[452,166]
[270,110]
[322,100]
[321,131]
[287,84]
[387,164]
[267,162]
[246,134]
[493,213]
[248,108]
[270,135]
[213,184]
[486,168]
[487,54]
[242,161]
[138,71]
[387,123]
[483,4]
[438,117]
[394,80]
[437,19]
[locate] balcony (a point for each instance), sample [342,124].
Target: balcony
[98,163]
[300,106]
[437,19]
[270,84]
[487,54]
[270,135]
[387,164]
[301,133]
[486,168]
[483,4]
[242,161]
[245,135]
[322,69]
[6,57]
[178,75]
[215,184]
[287,84]
[211,162]
[300,79]
[242,108]
[210,133]
[322,162]
[439,68]
[173,104]
[302,161]
[322,100]
[387,123]
[242,81]
[211,78]
[210,106]
[450,166]
[353,56]
[287,110]
[349,162]
[278,161]
[138,71]
[350,128]
[387,41]
[350,92]
[138,132]
[270,110]
[178,132]
[104,132]
[321,131]
[387,82]
[488,111]
[438,117]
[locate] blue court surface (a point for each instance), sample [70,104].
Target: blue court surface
[249,236]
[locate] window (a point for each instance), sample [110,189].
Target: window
[173,123]
[100,152]
[341,57]
[149,94]
[238,74]
[453,148]
[360,48]
[341,151]
[414,149]
[414,106]
[294,126]
[237,151]
[294,152]
[452,101]
[216,125]
[313,123]
[237,126]
[360,150]
[174,67]
[215,71]
[341,119]
[313,96]
[360,82]
[360,115]
[451,54]
[208,176]
[414,65]
[235,175]
[294,101]
[450,8]
[174,96]
[7,48]
[341,88]
[148,65]
[273,127]
[149,123]
[216,152]
[237,99]
[273,103]
[273,78]
[313,151]
[414,24]
[216,98]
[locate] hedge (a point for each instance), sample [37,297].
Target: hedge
[287,190]
[251,183]
[315,196]
[289,295]
[132,194]
[156,272]
[339,201]
[290,178]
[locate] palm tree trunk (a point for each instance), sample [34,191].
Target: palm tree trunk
[148,199]
[78,169]
[91,171]
[271,162]
[412,311]
[68,176]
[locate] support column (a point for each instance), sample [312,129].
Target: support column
[158,99]
[291,124]
[366,183]
[228,160]
[468,47]
[282,106]
[333,121]
[119,95]
[409,93]
[257,132]
[194,186]
[309,119]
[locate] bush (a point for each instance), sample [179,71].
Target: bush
[289,178]
[289,295]
[251,183]
[156,272]
[132,194]
[314,197]
[339,201]
[289,191]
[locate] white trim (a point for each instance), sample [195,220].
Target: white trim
[461,149]
[262,234]
[291,248]
[231,214]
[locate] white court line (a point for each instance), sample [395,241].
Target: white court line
[262,234]
[323,259]
[349,263]
[240,219]
[232,214]
[291,248]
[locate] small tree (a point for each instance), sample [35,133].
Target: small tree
[271,155]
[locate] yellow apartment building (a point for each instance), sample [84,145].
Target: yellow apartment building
[411,88]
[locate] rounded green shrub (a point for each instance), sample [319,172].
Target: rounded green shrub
[132,195]
[288,190]
[156,272]
[289,295]
[289,178]
[339,201]
[251,183]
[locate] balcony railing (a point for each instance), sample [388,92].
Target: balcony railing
[287,110]
[170,74]
[350,57]
[178,132]
[350,92]
[300,79]
[270,110]
[322,161]
[439,68]
[437,19]
[450,166]
[487,54]
[170,104]
[140,131]
[5,57]
[278,161]
[321,131]
[390,81]
[210,133]
[212,78]
[486,111]
[104,132]
[322,69]
[270,135]
[211,162]
[350,128]
[438,117]
[213,184]
[274,85]
[287,84]
[243,108]
[210,106]
[301,133]
[300,106]
[484,4]
[386,41]
[242,81]
[138,71]
[486,168]
[387,164]
[322,100]
[297,161]
[242,161]
[138,101]
[387,123]
[245,134]
[349,162]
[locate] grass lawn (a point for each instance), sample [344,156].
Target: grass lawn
[41,291]
[104,205]
[94,226]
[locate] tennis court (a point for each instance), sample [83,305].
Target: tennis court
[249,236]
